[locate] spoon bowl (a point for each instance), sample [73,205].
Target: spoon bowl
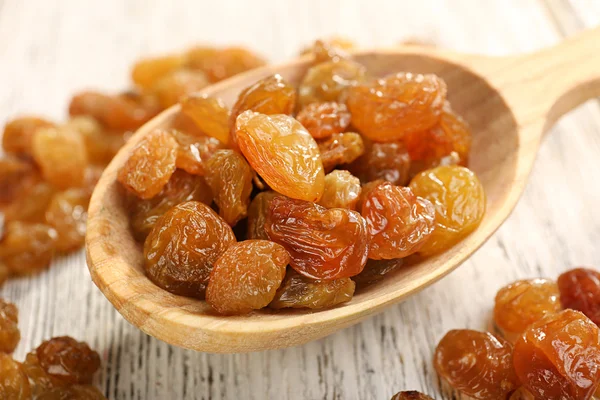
[510,102]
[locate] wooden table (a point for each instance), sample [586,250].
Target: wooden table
[49,49]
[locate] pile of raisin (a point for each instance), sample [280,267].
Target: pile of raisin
[59,368]
[49,169]
[295,196]
[547,346]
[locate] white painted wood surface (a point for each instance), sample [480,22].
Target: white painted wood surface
[51,48]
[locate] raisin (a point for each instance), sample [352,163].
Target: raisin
[68,360]
[418,166]
[184,123]
[39,380]
[323,243]
[558,357]
[283,153]
[376,270]
[201,57]
[183,246]
[580,290]
[18,134]
[324,119]
[340,148]
[150,165]
[522,303]
[387,109]
[388,161]
[231,61]
[9,328]
[257,215]
[333,49]
[31,201]
[181,187]
[459,201]
[194,151]
[521,394]
[270,95]
[210,115]
[14,175]
[101,145]
[477,364]
[124,112]
[230,178]
[329,81]
[451,134]
[410,395]
[398,222]
[26,248]
[14,384]
[4,271]
[74,392]
[342,190]
[177,85]
[67,214]
[298,291]
[61,155]
[147,72]
[246,277]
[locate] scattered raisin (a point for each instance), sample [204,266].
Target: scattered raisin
[74,392]
[340,148]
[27,247]
[68,360]
[342,190]
[14,384]
[67,214]
[580,290]
[257,215]
[101,145]
[9,328]
[324,119]
[230,61]
[40,381]
[18,134]
[376,270]
[210,115]
[14,175]
[388,161]
[31,201]
[147,72]
[173,87]
[329,81]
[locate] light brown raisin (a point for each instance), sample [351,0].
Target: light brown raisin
[146,72]
[68,360]
[329,81]
[67,214]
[339,149]
[324,119]
[257,215]
[580,290]
[210,115]
[194,151]
[376,270]
[231,61]
[18,134]
[101,145]
[342,190]
[26,248]
[388,161]
[411,395]
[9,328]
[14,384]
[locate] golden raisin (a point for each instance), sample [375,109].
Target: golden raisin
[61,155]
[9,328]
[477,364]
[201,57]
[333,49]
[387,109]
[580,290]
[376,270]
[322,120]
[68,360]
[298,291]
[246,276]
[388,161]
[398,222]
[74,392]
[147,72]
[40,381]
[342,190]
[257,215]
[329,81]
[410,395]
[31,201]
[323,243]
[67,214]
[101,145]
[26,247]
[210,115]
[522,394]
[340,148]
[283,153]
[14,384]
[18,134]
[522,303]
[194,151]
[14,175]
[558,357]
[177,85]
[231,61]
[230,178]
[181,187]
[459,202]
[183,246]
[150,165]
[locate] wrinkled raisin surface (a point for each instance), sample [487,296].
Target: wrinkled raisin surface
[230,178]
[67,214]
[477,364]
[66,359]
[339,149]
[18,134]
[145,73]
[178,84]
[298,291]
[283,153]
[26,248]
[376,270]
[246,276]
[388,161]
[324,119]
[194,151]
[257,215]
[522,303]
[342,190]
[459,201]
[9,329]
[323,243]
[150,165]
[329,81]
[398,222]
[14,384]
[580,290]
[410,395]
[183,246]
[558,357]
[40,381]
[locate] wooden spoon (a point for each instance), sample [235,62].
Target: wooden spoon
[510,102]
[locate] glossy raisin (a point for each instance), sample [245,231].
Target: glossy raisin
[230,178]
[376,270]
[18,134]
[74,392]
[329,81]
[145,73]
[323,243]
[210,115]
[177,85]
[183,246]
[477,364]
[283,153]
[67,214]
[324,119]
[194,151]
[257,215]
[332,49]
[231,61]
[580,290]
[68,360]
[522,394]
[388,161]
[340,148]
[522,303]
[398,222]
[39,380]
[181,187]
[31,201]
[14,384]
[298,291]
[101,145]
[342,190]
[26,248]
[246,276]
[14,175]
[150,165]
[410,395]
[387,109]
[9,328]
[558,357]
[61,155]
[459,201]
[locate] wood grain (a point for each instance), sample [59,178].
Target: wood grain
[50,49]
